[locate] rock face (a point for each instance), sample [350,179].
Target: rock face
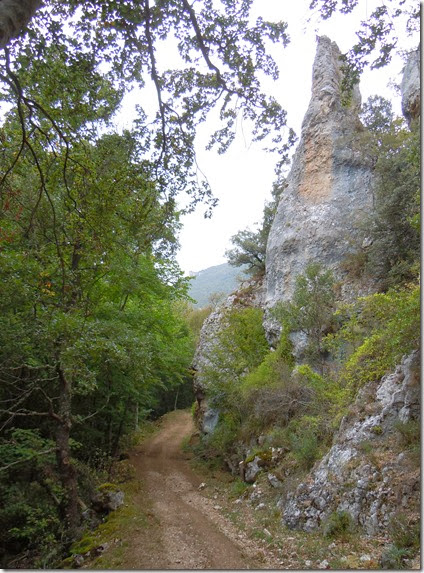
[329,188]
[410,87]
[358,475]
[250,293]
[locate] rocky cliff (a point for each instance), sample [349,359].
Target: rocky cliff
[250,294]
[411,87]
[329,188]
[370,473]
[367,471]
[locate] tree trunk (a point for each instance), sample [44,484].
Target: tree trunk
[14,16]
[70,506]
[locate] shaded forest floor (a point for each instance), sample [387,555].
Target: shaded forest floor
[179,514]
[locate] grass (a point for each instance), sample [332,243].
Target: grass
[118,526]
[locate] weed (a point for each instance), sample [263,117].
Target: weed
[395,558]
[405,532]
[338,523]
[305,447]
[238,488]
[409,433]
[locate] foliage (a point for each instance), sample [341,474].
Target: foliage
[30,492]
[250,246]
[393,227]
[219,54]
[310,311]
[305,447]
[404,532]
[377,38]
[378,329]
[90,338]
[409,432]
[339,523]
[240,346]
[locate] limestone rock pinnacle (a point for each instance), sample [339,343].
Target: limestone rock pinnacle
[329,187]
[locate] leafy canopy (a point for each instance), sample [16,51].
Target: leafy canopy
[89,47]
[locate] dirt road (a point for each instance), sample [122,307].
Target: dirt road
[187,530]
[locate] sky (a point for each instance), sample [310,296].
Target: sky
[242,178]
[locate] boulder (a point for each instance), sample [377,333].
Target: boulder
[252,469]
[107,499]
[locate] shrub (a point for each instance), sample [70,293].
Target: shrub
[409,432]
[240,347]
[238,488]
[225,434]
[305,446]
[311,310]
[404,532]
[394,558]
[338,523]
[381,328]
[280,403]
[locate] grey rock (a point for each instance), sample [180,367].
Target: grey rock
[329,189]
[78,560]
[252,470]
[210,420]
[370,497]
[274,481]
[106,501]
[411,87]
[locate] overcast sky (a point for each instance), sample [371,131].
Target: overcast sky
[242,178]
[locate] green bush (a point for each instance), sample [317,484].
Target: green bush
[310,311]
[238,488]
[225,434]
[379,329]
[338,523]
[395,558]
[240,347]
[305,446]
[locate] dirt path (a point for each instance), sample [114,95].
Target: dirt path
[187,530]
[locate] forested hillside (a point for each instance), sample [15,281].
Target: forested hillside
[218,281]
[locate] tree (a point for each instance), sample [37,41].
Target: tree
[250,246]
[14,16]
[220,55]
[378,36]
[392,226]
[87,288]
[310,311]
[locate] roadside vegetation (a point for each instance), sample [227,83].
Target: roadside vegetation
[265,400]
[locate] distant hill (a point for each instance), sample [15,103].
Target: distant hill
[217,279]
